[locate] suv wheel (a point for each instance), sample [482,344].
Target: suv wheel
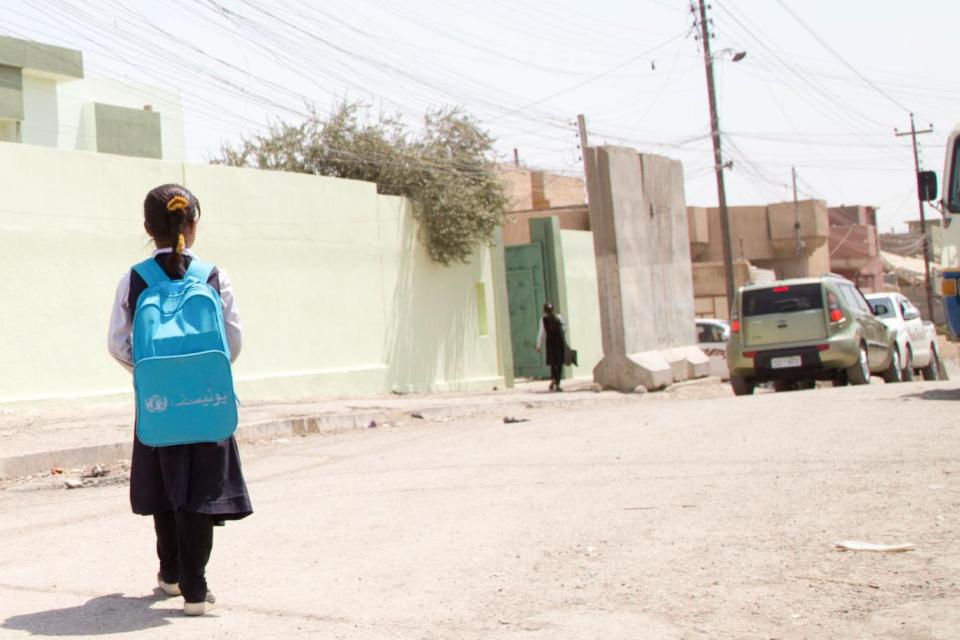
[932,370]
[908,366]
[859,371]
[741,386]
[893,372]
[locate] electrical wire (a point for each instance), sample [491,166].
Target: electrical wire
[826,45]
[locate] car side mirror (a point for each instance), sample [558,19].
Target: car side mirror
[911,314]
[880,309]
[927,185]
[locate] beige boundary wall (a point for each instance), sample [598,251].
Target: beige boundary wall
[583,301]
[336,294]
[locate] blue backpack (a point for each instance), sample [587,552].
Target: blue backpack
[181,360]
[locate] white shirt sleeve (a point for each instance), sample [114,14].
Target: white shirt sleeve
[121,324]
[231,315]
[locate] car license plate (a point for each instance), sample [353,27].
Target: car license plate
[786,362]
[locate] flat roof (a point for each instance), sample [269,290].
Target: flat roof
[58,63]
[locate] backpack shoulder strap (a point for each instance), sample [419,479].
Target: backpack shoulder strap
[199,270]
[150,271]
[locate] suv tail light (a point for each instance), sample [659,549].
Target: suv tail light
[836,313]
[734,321]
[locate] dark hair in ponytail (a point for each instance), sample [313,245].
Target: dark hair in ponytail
[167,211]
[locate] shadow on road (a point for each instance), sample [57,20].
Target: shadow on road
[936,394]
[104,615]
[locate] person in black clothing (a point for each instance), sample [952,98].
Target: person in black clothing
[186,488]
[552,331]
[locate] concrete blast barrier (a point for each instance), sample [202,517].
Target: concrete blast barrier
[639,219]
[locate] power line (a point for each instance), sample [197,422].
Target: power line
[596,77]
[826,45]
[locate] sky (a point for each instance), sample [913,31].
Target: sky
[822,88]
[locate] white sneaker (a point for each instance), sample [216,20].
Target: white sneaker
[170,588]
[199,608]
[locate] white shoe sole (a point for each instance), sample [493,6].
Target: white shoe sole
[171,590]
[197,608]
[194,608]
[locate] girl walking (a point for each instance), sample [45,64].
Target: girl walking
[552,329]
[186,488]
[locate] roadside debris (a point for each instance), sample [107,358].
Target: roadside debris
[512,420]
[417,415]
[857,545]
[372,424]
[96,471]
[59,478]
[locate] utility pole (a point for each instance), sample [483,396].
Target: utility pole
[801,263]
[928,287]
[582,132]
[718,159]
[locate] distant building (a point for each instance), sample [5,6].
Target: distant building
[913,226]
[540,194]
[854,246]
[764,244]
[47,100]
[910,244]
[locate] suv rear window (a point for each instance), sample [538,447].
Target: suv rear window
[783,299]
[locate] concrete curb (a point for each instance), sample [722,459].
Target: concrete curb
[295,425]
[31,463]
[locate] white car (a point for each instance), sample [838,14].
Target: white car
[916,339]
[712,336]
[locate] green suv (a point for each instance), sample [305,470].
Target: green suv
[795,332]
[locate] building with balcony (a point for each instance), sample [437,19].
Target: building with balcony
[46,99]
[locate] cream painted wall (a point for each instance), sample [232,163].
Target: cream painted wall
[71,224]
[583,302]
[335,294]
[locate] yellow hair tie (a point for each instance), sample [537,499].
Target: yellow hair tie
[176,203]
[180,244]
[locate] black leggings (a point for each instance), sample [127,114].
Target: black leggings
[556,372]
[184,542]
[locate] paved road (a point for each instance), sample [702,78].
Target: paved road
[662,518]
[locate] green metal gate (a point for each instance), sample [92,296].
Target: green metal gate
[526,294]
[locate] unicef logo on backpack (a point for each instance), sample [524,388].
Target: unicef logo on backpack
[156,404]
